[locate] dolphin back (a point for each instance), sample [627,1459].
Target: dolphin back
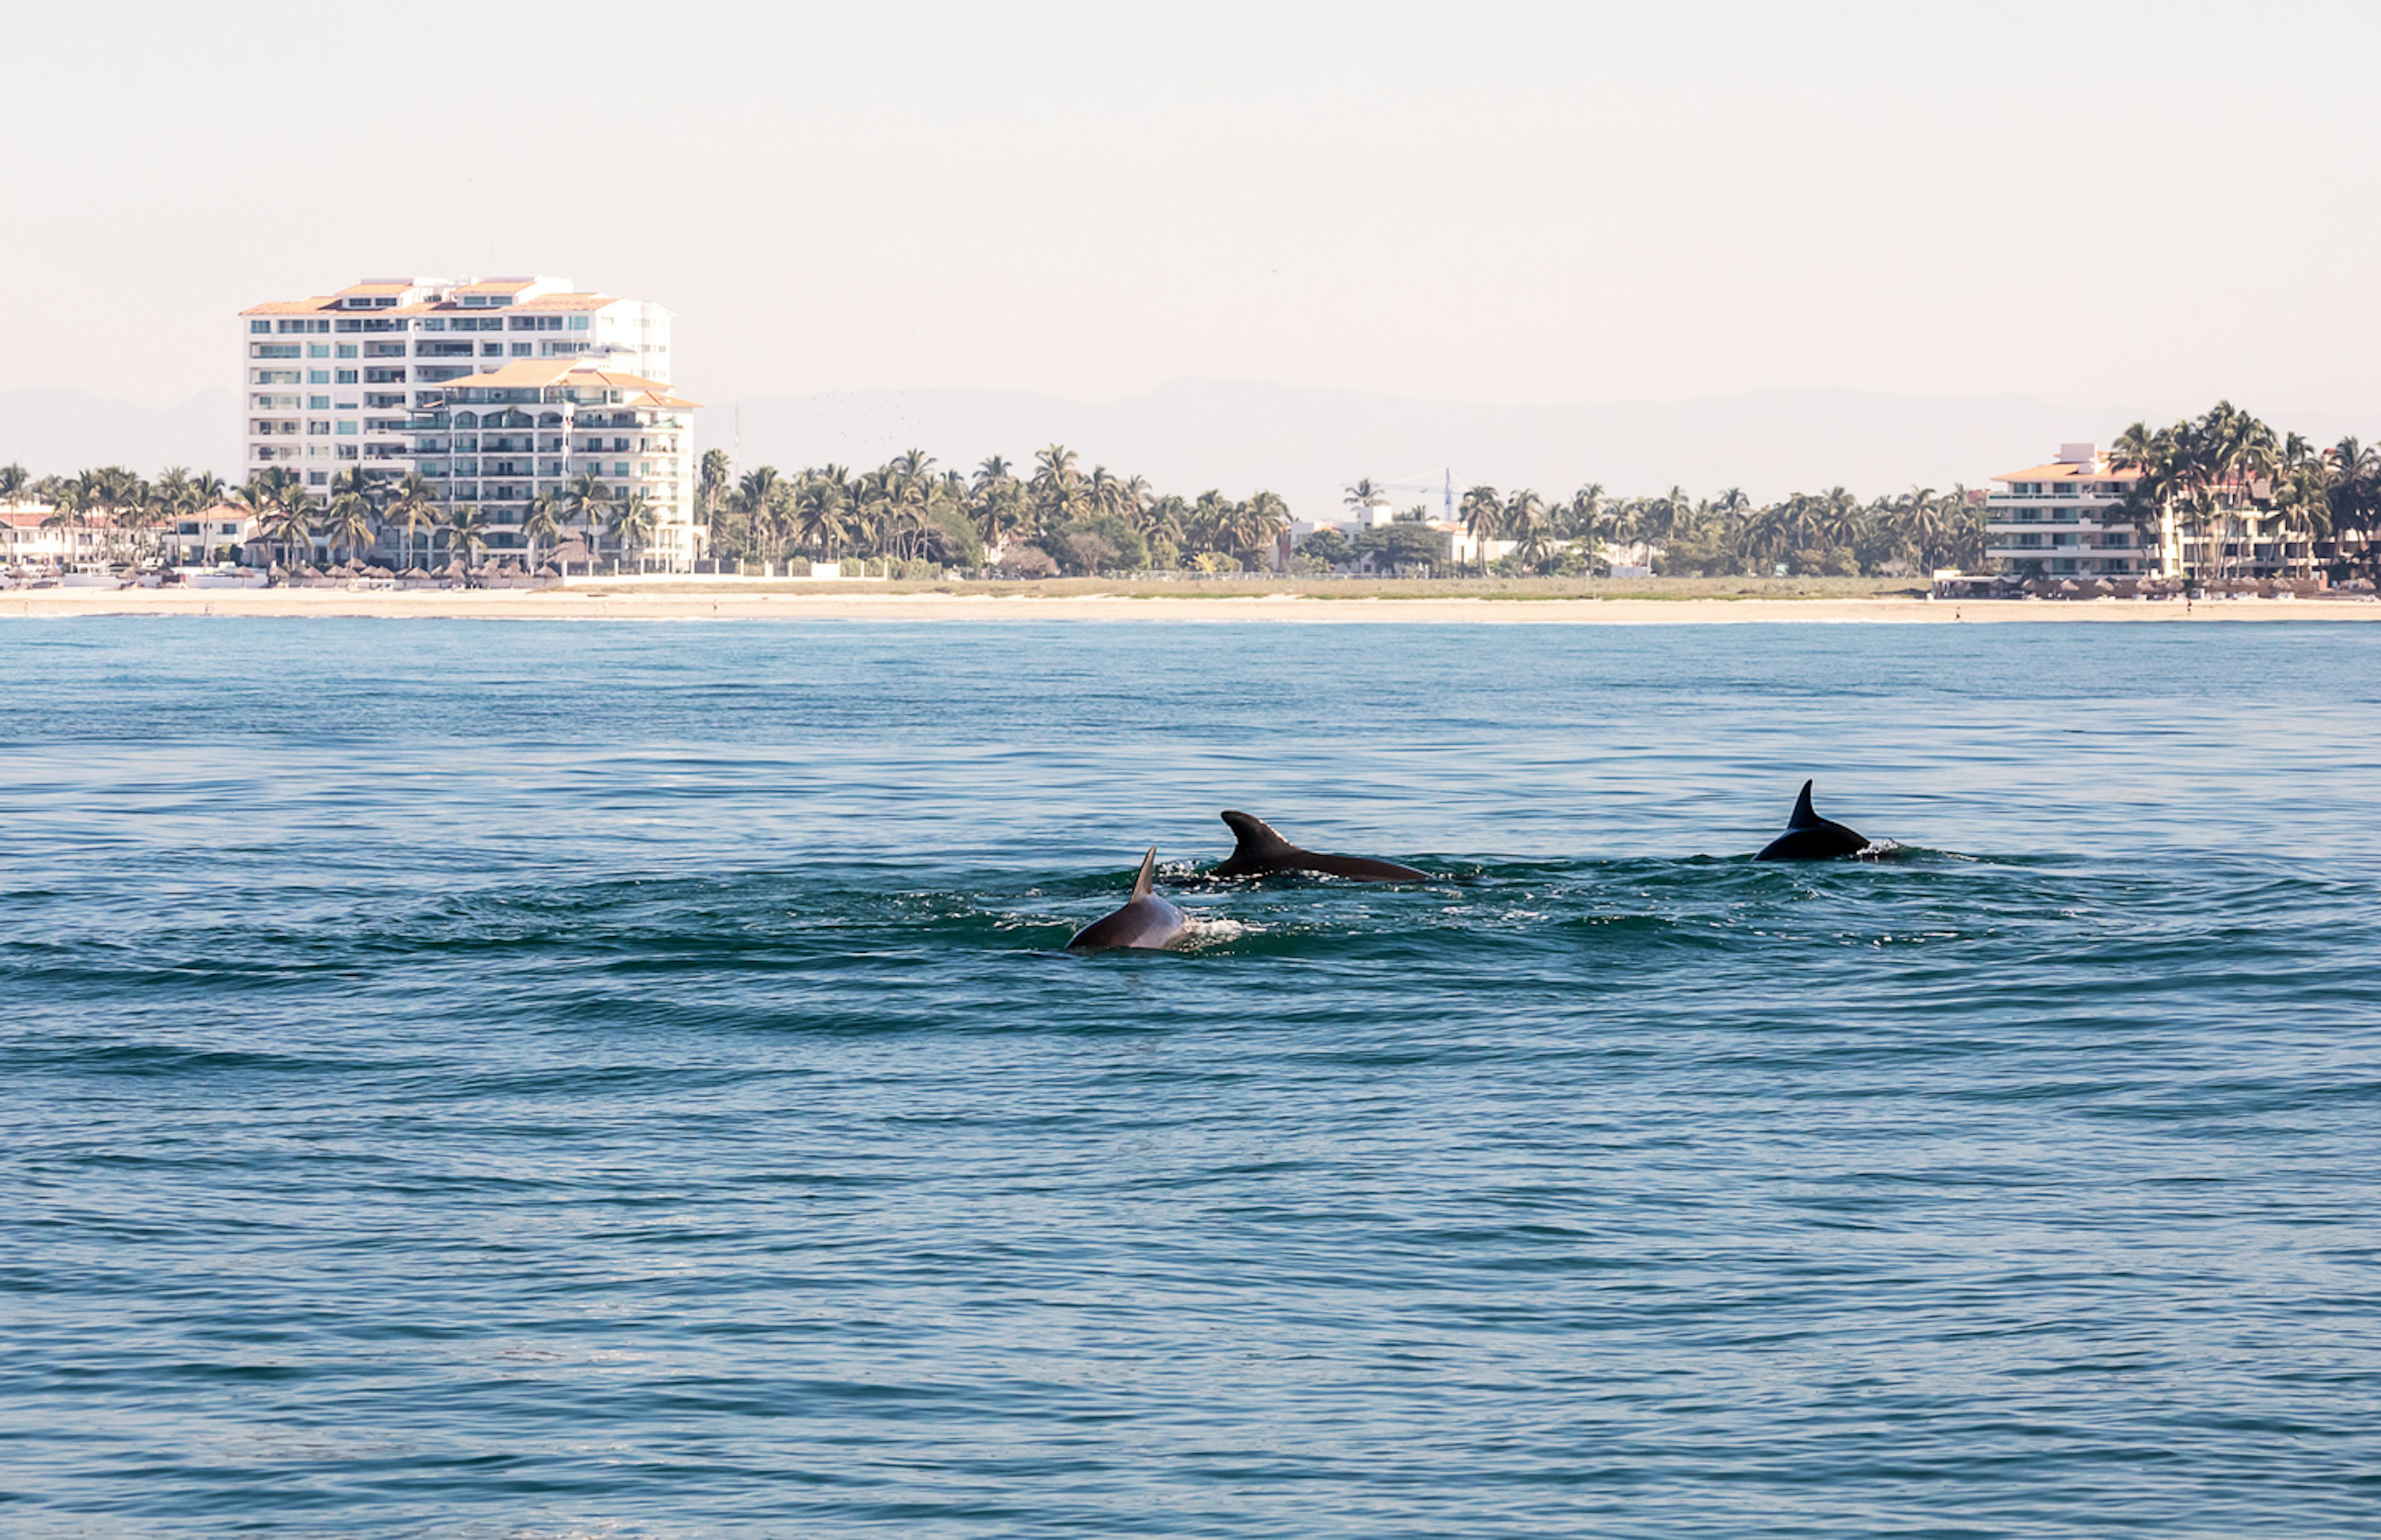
[1809,837]
[1146,920]
[1256,848]
[1260,851]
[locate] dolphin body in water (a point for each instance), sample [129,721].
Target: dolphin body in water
[1809,837]
[1260,852]
[1146,920]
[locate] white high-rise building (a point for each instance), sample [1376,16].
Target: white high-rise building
[370,377]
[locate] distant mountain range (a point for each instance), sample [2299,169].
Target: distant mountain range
[57,431]
[1305,444]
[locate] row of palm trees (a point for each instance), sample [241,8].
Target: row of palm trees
[1806,534]
[1056,513]
[2228,482]
[1080,520]
[353,515]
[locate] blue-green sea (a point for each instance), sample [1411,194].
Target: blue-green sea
[593,1080]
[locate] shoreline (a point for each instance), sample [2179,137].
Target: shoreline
[662,602]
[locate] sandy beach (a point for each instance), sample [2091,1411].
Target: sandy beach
[664,600]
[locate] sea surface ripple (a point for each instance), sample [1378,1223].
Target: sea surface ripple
[523,1080]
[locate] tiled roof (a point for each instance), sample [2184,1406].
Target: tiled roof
[527,306]
[292,307]
[2069,471]
[538,374]
[566,302]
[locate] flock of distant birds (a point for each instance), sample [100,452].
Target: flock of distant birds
[1148,921]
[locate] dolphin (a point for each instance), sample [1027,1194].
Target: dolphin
[1260,852]
[1809,837]
[1146,920]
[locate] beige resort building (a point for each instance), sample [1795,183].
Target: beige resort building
[2058,521]
[2053,520]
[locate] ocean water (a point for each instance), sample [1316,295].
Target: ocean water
[588,1080]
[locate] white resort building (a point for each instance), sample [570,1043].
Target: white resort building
[2053,520]
[394,376]
[1456,544]
[500,439]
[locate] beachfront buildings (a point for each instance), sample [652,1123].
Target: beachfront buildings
[2062,521]
[2067,521]
[394,376]
[535,428]
[1455,544]
[33,536]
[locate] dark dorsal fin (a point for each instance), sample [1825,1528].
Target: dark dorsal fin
[1803,817]
[1254,840]
[1148,868]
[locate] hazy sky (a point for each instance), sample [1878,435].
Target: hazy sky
[2144,205]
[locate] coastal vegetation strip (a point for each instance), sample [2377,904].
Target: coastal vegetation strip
[1056,518]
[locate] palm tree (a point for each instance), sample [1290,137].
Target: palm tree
[587,498]
[1583,514]
[14,478]
[291,523]
[467,527]
[109,492]
[1057,487]
[413,506]
[1168,519]
[1362,495]
[1837,519]
[1262,519]
[1133,494]
[2355,489]
[1484,518]
[1524,520]
[818,511]
[549,518]
[711,487]
[348,521]
[633,522]
[68,511]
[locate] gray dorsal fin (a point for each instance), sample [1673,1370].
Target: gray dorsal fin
[1803,817]
[1253,838]
[1140,885]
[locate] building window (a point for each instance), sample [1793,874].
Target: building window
[318,350]
[521,349]
[318,376]
[317,403]
[347,349]
[492,350]
[577,322]
[318,478]
[346,376]
[256,326]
